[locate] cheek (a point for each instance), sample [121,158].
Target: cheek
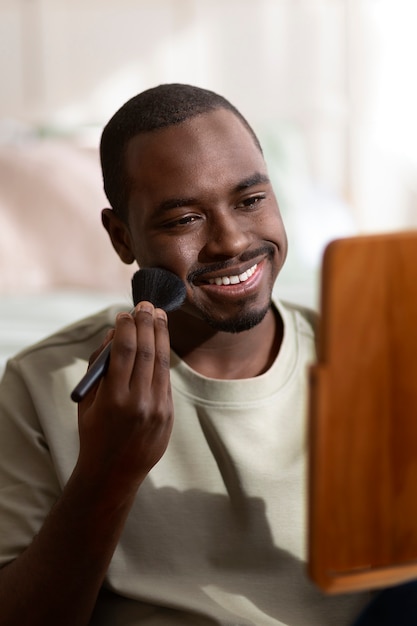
[270,227]
[273,230]
[277,225]
[173,253]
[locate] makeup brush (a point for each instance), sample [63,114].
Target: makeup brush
[161,287]
[164,289]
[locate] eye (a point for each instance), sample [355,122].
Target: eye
[181,221]
[252,202]
[186,220]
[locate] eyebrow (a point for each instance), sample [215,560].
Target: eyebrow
[174,203]
[252,181]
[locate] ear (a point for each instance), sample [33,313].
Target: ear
[119,235]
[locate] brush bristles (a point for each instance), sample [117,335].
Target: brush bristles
[163,288]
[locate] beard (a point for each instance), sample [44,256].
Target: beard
[244,320]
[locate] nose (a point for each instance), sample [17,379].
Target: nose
[226,236]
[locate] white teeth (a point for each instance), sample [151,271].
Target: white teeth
[235,279]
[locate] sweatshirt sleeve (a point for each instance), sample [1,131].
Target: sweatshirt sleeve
[28,482]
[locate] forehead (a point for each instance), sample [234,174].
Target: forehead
[202,151]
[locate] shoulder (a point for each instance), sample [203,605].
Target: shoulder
[305,319]
[76,341]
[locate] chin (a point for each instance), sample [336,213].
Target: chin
[239,323]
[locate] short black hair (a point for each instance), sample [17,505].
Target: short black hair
[151,110]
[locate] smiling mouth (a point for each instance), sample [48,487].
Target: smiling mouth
[234,279]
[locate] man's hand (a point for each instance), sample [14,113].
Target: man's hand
[126,421]
[124,427]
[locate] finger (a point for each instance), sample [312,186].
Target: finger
[123,353]
[161,376]
[142,373]
[151,389]
[161,385]
[89,397]
[151,371]
[107,338]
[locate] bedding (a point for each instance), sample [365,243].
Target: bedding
[56,261]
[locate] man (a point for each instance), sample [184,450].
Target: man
[132,516]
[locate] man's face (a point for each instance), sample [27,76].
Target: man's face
[202,206]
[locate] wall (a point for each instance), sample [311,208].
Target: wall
[328,84]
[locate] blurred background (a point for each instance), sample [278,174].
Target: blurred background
[327,85]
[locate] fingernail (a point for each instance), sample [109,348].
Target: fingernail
[145,306]
[123,316]
[160,314]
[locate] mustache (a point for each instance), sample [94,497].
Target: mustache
[265,250]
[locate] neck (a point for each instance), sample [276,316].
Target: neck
[225,355]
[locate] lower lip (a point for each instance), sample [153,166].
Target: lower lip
[239,289]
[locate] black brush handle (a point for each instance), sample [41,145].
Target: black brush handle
[97,369]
